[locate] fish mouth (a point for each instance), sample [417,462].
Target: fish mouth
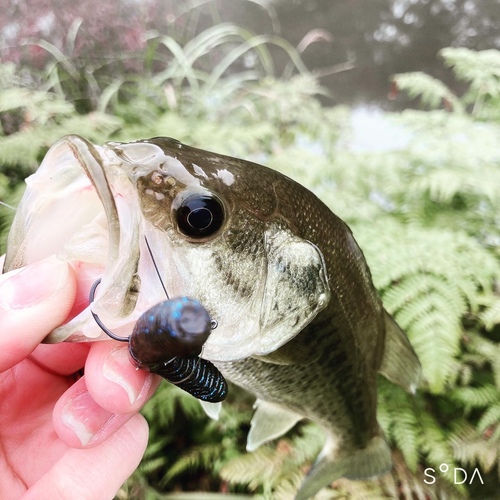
[80,206]
[129,262]
[119,302]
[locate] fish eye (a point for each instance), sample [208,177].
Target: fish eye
[200,215]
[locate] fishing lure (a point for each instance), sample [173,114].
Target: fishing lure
[167,340]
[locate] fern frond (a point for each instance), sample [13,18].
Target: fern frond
[476,397]
[253,469]
[411,287]
[429,89]
[472,449]
[201,457]
[308,443]
[396,414]
[434,441]
[491,316]
[489,418]
[481,69]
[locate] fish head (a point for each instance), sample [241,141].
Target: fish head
[179,220]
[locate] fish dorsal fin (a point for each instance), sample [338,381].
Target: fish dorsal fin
[269,422]
[372,461]
[400,364]
[211,409]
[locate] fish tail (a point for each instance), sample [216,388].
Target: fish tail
[372,461]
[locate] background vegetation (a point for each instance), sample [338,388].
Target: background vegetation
[426,215]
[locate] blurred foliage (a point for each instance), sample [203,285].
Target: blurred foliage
[425,215]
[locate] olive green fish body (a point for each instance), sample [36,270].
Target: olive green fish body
[328,371]
[340,352]
[300,324]
[336,390]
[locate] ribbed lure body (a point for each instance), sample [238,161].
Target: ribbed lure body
[197,376]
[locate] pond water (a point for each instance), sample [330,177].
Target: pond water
[379,37]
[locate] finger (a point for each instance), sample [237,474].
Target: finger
[114,382]
[33,301]
[86,275]
[61,359]
[97,472]
[80,422]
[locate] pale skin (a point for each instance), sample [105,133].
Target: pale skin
[63,435]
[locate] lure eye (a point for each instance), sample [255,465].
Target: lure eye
[200,215]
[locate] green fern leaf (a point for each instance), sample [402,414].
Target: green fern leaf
[431,91]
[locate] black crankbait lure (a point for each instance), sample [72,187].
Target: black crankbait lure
[167,340]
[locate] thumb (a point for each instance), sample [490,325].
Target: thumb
[33,301]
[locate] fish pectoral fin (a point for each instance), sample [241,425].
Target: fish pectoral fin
[295,352]
[269,422]
[372,461]
[400,364]
[211,409]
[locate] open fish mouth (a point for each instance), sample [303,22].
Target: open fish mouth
[80,206]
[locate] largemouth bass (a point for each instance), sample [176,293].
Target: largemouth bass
[300,324]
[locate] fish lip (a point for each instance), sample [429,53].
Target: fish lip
[111,182]
[92,164]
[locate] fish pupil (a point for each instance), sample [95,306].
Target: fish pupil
[200,215]
[200,218]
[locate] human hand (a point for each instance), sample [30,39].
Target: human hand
[63,436]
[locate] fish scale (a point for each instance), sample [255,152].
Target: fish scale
[325,391]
